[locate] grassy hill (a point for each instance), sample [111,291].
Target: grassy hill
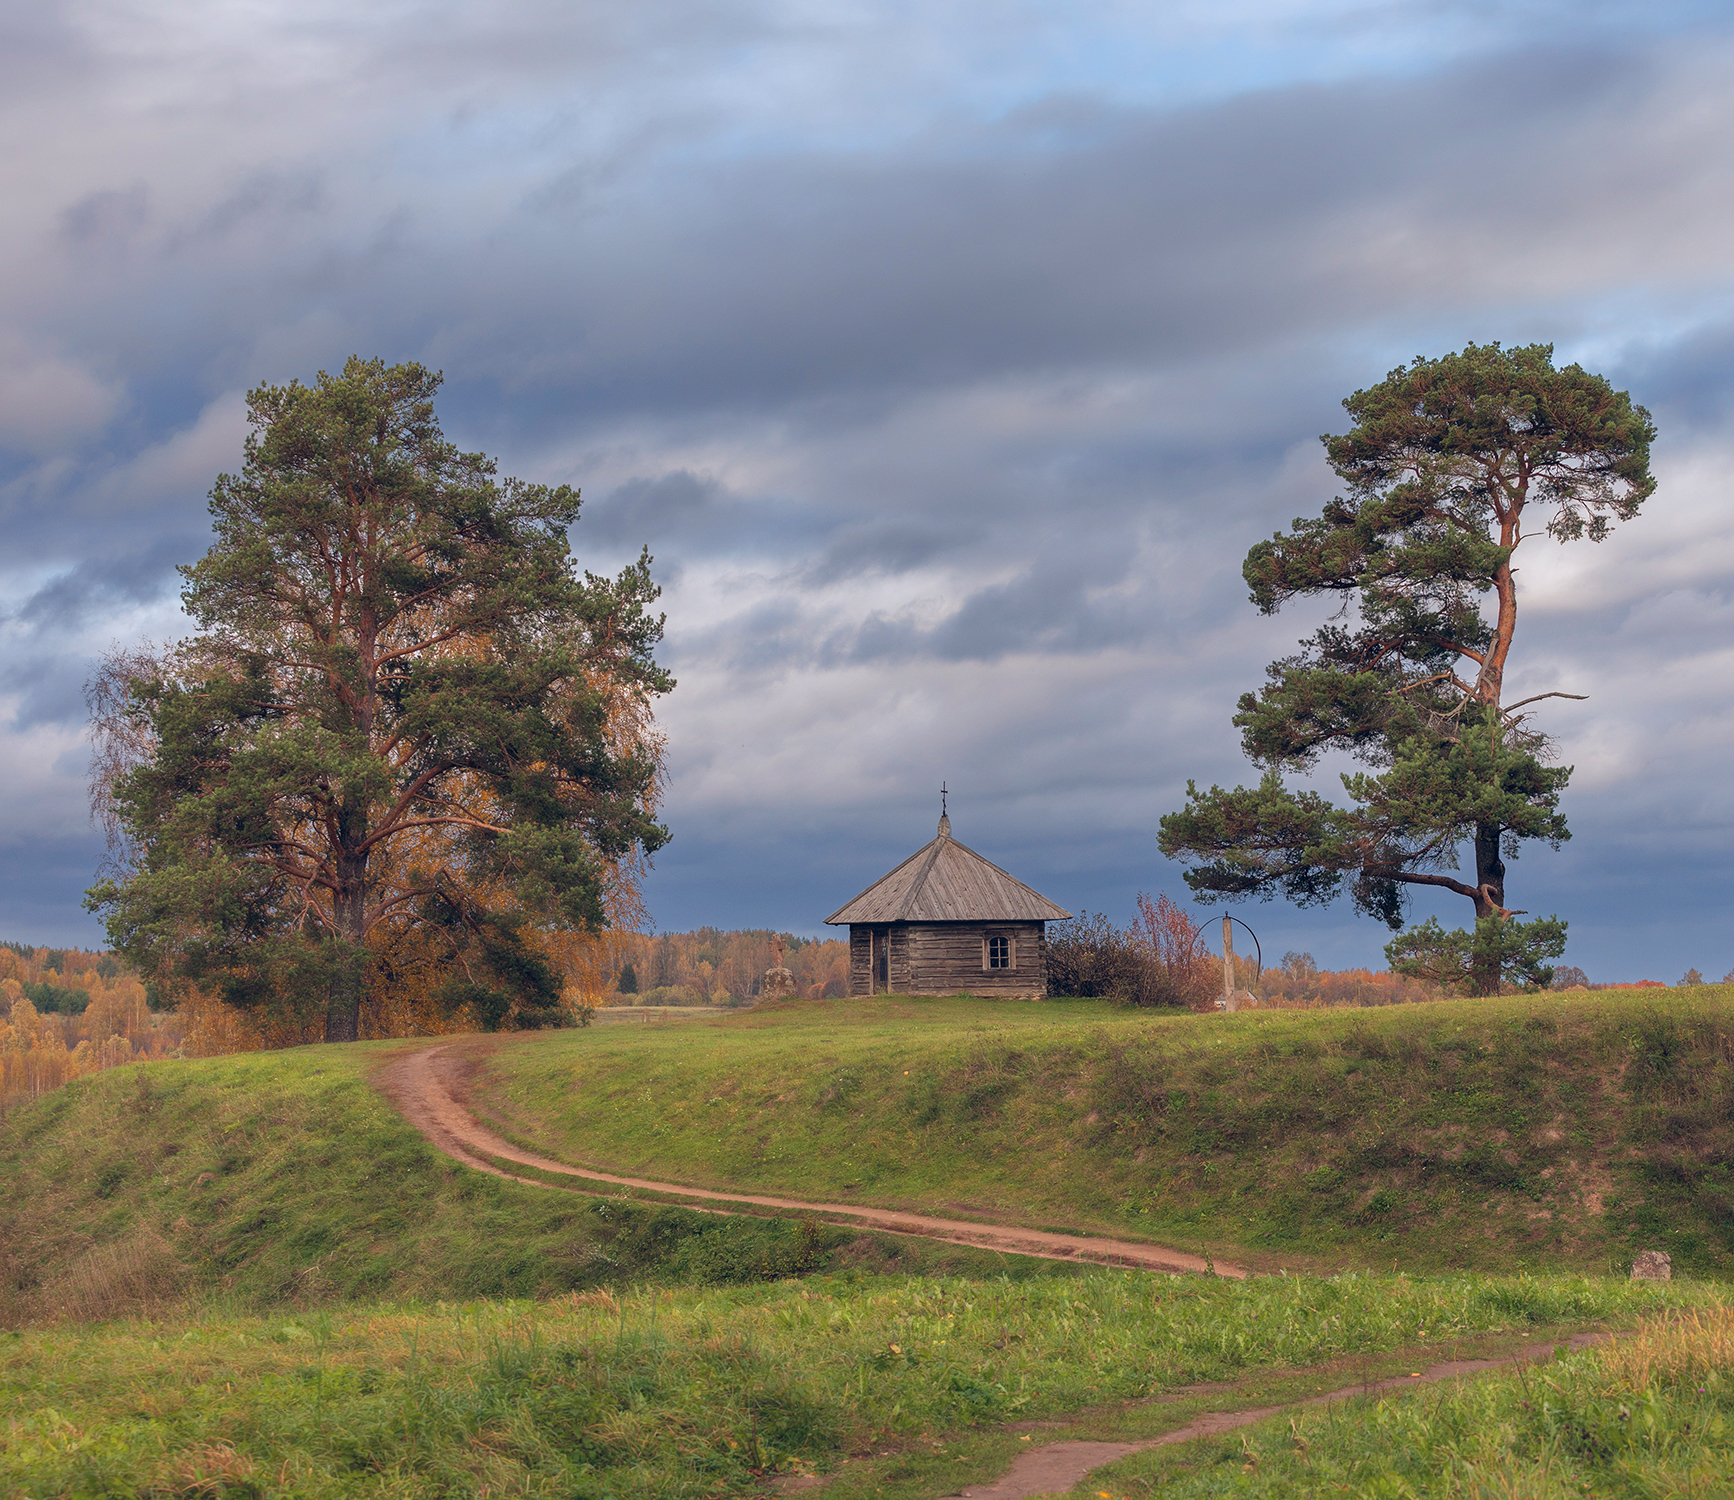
[1551,1132]
[1560,1133]
[353,1315]
[286,1178]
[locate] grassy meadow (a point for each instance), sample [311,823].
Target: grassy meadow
[1560,1131]
[249,1276]
[899,1386]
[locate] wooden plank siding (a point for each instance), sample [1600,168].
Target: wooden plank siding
[946,958]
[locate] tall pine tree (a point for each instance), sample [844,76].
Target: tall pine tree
[1450,464]
[396,711]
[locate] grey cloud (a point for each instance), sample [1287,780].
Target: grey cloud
[786,281]
[262,196]
[1687,381]
[42,884]
[682,515]
[895,546]
[1158,237]
[645,510]
[98,584]
[113,216]
[1045,609]
[50,688]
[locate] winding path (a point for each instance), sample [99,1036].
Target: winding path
[1056,1468]
[431,1088]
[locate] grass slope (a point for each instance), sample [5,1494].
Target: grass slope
[1551,1131]
[703,1393]
[286,1177]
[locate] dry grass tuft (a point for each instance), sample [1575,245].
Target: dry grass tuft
[1690,1343]
[212,1469]
[135,1276]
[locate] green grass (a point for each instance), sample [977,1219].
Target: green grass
[1613,1421]
[1545,1132]
[698,1392]
[286,1177]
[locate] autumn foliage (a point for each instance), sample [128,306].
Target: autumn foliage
[90,1017]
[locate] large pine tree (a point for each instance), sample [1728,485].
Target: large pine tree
[1451,463]
[397,711]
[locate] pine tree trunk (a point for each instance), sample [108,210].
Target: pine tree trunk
[1489,871]
[349,907]
[1489,902]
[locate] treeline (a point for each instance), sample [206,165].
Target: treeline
[707,966]
[65,1013]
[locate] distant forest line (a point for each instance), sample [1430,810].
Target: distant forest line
[68,1012]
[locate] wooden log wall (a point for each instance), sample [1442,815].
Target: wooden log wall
[860,960]
[945,958]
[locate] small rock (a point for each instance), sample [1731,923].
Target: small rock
[778,984]
[1652,1265]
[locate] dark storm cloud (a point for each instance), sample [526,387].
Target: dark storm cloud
[1128,236]
[1048,608]
[98,584]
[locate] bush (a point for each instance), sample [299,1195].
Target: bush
[1144,965]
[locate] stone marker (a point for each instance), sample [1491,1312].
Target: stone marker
[778,984]
[1652,1265]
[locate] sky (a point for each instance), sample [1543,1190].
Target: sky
[948,357]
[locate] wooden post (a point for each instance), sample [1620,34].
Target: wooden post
[1228,963]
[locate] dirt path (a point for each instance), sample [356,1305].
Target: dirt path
[431,1088]
[1056,1468]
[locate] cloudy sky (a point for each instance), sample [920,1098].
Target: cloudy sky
[948,356]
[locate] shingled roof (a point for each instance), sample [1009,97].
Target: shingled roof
[946,882]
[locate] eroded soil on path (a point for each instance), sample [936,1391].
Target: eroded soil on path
[432,1087]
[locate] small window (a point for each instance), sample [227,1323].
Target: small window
[999,953]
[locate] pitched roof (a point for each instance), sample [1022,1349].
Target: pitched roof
[946,882]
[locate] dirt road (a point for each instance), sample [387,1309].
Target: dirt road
[432,1088]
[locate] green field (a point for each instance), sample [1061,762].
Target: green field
[1646,1416]
[901,1386]
[249,1276]
[1548,1132]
